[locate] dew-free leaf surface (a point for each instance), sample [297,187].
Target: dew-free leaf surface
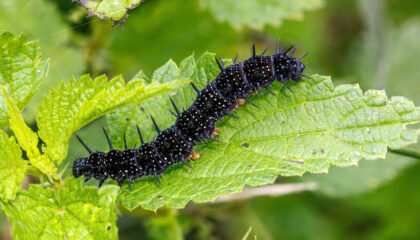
[256,14]
[27,139]
[114,10]
[21,70]
[12,167]
[73,212]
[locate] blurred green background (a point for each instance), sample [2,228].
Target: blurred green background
[371,42]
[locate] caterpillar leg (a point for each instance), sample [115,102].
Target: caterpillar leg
[214,133]
[247,99]
[258,88]
[268,90]
[101,182]
[187,163]
[234,116]
[131,183]
[157,179]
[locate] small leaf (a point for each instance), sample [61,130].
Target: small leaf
[75,104]
[41,213]
[21,70]
[256,14]
[114,10]
[306,130]
[27,138]
[12,167]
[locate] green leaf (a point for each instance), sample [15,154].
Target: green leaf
[395,60]
[306,130]
[115,10]
[256,14]
[21,70]
[55,38]
[12,167]
[27,138]
[75,104]
[42,213]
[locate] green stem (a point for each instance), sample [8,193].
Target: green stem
[407,152]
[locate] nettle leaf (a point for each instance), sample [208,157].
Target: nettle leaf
[28,139]
[12,167]
[76,103]
[42,20]
[42,213]
[115,10]
[21,70]
[256,14]
[306,130]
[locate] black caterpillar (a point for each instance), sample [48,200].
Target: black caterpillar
[194,124]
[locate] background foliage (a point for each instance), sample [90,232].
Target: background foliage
[373,43]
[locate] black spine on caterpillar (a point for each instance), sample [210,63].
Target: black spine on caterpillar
[195,124]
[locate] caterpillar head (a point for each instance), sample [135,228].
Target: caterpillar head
[287,67]
[297,70]
[80,168]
